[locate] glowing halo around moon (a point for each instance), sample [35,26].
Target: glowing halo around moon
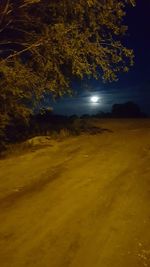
[94,99]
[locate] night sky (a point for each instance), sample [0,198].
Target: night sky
[132,86]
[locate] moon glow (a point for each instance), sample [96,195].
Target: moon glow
[94,99]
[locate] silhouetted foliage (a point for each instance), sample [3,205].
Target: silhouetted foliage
[126,110]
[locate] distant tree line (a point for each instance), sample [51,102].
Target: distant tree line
[46,122]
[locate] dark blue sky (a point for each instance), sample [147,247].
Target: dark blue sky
[134,86]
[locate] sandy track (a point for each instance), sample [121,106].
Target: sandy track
[82,203]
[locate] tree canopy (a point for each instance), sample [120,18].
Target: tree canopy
[44,44]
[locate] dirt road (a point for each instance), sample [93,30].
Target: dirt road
[81,202]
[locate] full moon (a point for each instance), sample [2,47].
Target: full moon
[94,99]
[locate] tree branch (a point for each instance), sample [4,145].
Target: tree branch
[22,51]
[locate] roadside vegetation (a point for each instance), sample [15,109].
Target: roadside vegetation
[45,126]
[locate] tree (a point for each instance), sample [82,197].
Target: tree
[44,44]
[126,110]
